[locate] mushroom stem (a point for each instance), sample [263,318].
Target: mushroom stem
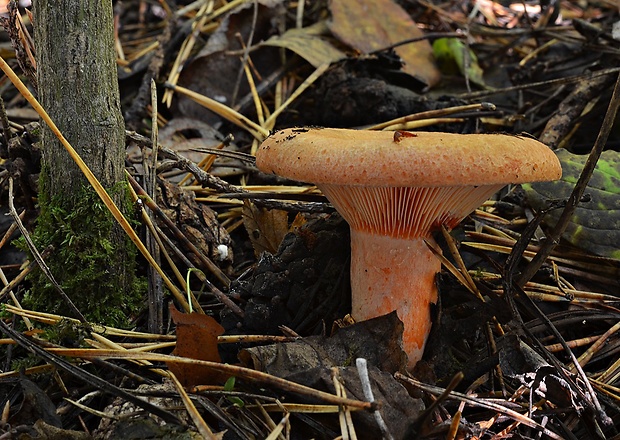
[391,273]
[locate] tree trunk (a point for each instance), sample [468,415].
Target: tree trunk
[78,86]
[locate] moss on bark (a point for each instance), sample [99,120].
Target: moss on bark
[95,272]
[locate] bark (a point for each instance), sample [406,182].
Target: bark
[78,86]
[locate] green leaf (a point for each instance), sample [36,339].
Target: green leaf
[230,384]
[595,226]
[454,56]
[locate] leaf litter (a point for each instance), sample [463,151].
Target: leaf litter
[506,358]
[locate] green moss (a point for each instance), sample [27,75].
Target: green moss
[66,333]
[22,363]
[96,271]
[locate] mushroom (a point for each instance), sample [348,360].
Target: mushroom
[396,188]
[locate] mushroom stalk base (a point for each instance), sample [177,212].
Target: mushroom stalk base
[390,274]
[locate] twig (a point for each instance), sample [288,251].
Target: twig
[347,429]
[220,185]
[431,114]
[428,36]
[138,104]
[204,260]
[224,111]
[458,377]
[590,398]
[22,275]
[246,53]
[232,370]
[277,430]
[509,286]
[563,80]
[200,423]
[155,292]
[362,371]
[4,120]
[239,155]
[482,403]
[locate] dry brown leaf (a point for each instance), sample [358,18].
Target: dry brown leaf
[173,136]
[310,361]
[369,25]
[196,339]
[310,43]
[266,228]
[298,222]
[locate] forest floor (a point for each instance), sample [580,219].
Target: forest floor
[517,350]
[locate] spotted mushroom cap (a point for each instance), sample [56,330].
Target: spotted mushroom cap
[382,158]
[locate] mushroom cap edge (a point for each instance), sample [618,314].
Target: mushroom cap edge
[382,158]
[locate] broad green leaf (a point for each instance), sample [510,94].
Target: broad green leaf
[595,226]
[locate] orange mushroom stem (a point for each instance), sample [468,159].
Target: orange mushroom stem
[394,193]
[392,267]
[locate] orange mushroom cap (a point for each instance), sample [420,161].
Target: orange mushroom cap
[394,189]
[366,158]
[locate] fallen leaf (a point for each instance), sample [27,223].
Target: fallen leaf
[185,135]
[370,25]
[266,227]
[196,339]
[452,54]
[595,225]
[35,405]
[378,340]
[310,361]
[310,43]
